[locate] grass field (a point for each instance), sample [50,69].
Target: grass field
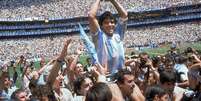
[165,48]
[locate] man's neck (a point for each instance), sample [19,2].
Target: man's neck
[125,96]
[58,91]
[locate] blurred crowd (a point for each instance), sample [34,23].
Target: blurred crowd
[32,48]
[68,8]
[183,32]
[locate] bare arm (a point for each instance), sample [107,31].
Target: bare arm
[183,84]
[137,94]
[116,92]
[93,22]
[56,66]
[44,67]
[121,11]
[128,62]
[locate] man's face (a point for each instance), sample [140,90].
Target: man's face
[165,98]
[7,82]
[128,84]
[151,79]
[169,66]
[108,26]
[85,86]
[168,86]
[22,96]
[79,68]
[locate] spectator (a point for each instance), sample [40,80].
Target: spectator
[129,90]
[99,92]
[19,95]
[156,93]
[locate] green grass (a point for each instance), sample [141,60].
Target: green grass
[164,49]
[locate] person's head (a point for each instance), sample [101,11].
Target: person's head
[99,92]
[42,62]
[27,70]
[125,81]
[107,23]
[173,47]
[151,79]
[41,92]
[82,84]
[45,93]
[156,93]
[169,64]
[79,69]
[19,95]
[89,61]
[189,50]
[180,59]
[21,57]
[167,80]
[5,80]
[144,55]
[194,76]
[156,61]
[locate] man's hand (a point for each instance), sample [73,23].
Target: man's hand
[79,50]
[64,50]
[67,42]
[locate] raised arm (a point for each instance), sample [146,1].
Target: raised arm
[40,71]
[93,22]
[56,66]
[121,11]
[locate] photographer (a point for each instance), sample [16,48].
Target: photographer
[194,76]
[147,74]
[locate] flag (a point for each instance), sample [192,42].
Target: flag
[89,45]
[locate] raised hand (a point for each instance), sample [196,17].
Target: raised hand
[79,50]
[64,50]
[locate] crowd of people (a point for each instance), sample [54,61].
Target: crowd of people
[174,76]
[143,36]
[67,8]
[32,48]
[108,74]
[182,32]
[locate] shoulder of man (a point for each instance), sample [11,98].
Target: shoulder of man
[116,92]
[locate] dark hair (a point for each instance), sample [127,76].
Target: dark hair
[39,91]
[14,94]
[180,59]
[21,57]
[99,92]
[189,50]
[152,91]
[120,75]
[106,15]
[143,54]
[4,75]
[78,82]
[166,76]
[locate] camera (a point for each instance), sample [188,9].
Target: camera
[188,95]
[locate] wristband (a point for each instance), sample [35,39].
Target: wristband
[59,61]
